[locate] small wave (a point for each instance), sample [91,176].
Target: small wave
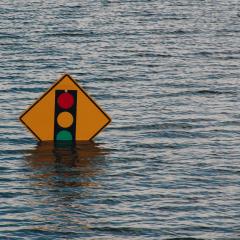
[126,230]
[199,92]
[214,92]
[185,238]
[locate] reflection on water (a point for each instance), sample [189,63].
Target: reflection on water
[65,177]
[65,165]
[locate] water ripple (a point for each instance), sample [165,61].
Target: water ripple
[167,167]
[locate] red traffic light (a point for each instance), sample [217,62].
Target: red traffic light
[65,100]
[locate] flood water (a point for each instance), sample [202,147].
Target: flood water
[167,167]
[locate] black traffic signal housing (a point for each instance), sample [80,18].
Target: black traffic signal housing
[65,115]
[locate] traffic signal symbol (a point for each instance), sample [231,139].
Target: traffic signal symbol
[65,115]
[44,120]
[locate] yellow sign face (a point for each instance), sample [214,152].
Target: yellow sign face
[65,112]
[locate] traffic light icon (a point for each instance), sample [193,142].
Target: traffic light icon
[65,115]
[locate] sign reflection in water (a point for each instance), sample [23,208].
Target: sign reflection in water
[67,178]
[63,165]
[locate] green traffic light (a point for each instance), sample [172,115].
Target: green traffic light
[64,135]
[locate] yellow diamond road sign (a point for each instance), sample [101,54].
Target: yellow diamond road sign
[65,112]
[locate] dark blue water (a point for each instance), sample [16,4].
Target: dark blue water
[168,74]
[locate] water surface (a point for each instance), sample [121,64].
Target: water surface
[167,167]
